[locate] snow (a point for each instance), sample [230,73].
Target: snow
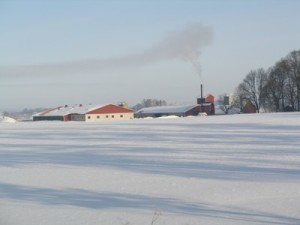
[168,117]
[216,170]
[6,119]
[65,110]
[167,109]
[219,111]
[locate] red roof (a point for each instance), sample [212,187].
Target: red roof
[107,109]
[210,98]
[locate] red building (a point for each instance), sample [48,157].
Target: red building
[207,104]
[249,107]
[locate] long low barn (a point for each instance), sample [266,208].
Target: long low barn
[87,113]
[182,111]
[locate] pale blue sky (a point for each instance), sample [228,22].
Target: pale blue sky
[246,35]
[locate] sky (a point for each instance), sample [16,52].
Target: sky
[57,52]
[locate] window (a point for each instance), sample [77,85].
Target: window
[121,116]
[98,117]
[112,116]
[106,116]
[89,117]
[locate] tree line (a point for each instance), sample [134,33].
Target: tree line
[149,103]
[275,89]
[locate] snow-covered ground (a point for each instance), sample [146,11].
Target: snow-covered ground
[6,119]
[225,170]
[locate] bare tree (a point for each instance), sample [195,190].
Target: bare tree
[293,63]
[290,91]
[149,103]
[276,86]
[277,89]
[227,103]
[153,102]
[253,85]
[240,97]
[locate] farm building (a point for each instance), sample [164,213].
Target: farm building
[207,104]
[249,107]
[182,111]
[89,113]
[204,105]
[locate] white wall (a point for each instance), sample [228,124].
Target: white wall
[107,117]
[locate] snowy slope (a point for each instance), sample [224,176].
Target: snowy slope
[214,170]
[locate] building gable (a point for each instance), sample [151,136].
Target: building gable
[210,98]
[108,109]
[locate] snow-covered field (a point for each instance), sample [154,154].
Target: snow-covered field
[225,170]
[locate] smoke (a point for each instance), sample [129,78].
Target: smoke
[185,44]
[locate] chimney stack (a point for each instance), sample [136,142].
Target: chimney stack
[201,88]
[201,99]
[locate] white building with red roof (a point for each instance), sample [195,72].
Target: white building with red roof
[89,113]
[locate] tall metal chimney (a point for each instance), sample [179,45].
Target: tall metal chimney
[201,88]
[201,100]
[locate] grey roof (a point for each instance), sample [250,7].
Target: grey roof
[65,110]
[166,109]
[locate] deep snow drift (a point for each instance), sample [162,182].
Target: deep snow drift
[238,169]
